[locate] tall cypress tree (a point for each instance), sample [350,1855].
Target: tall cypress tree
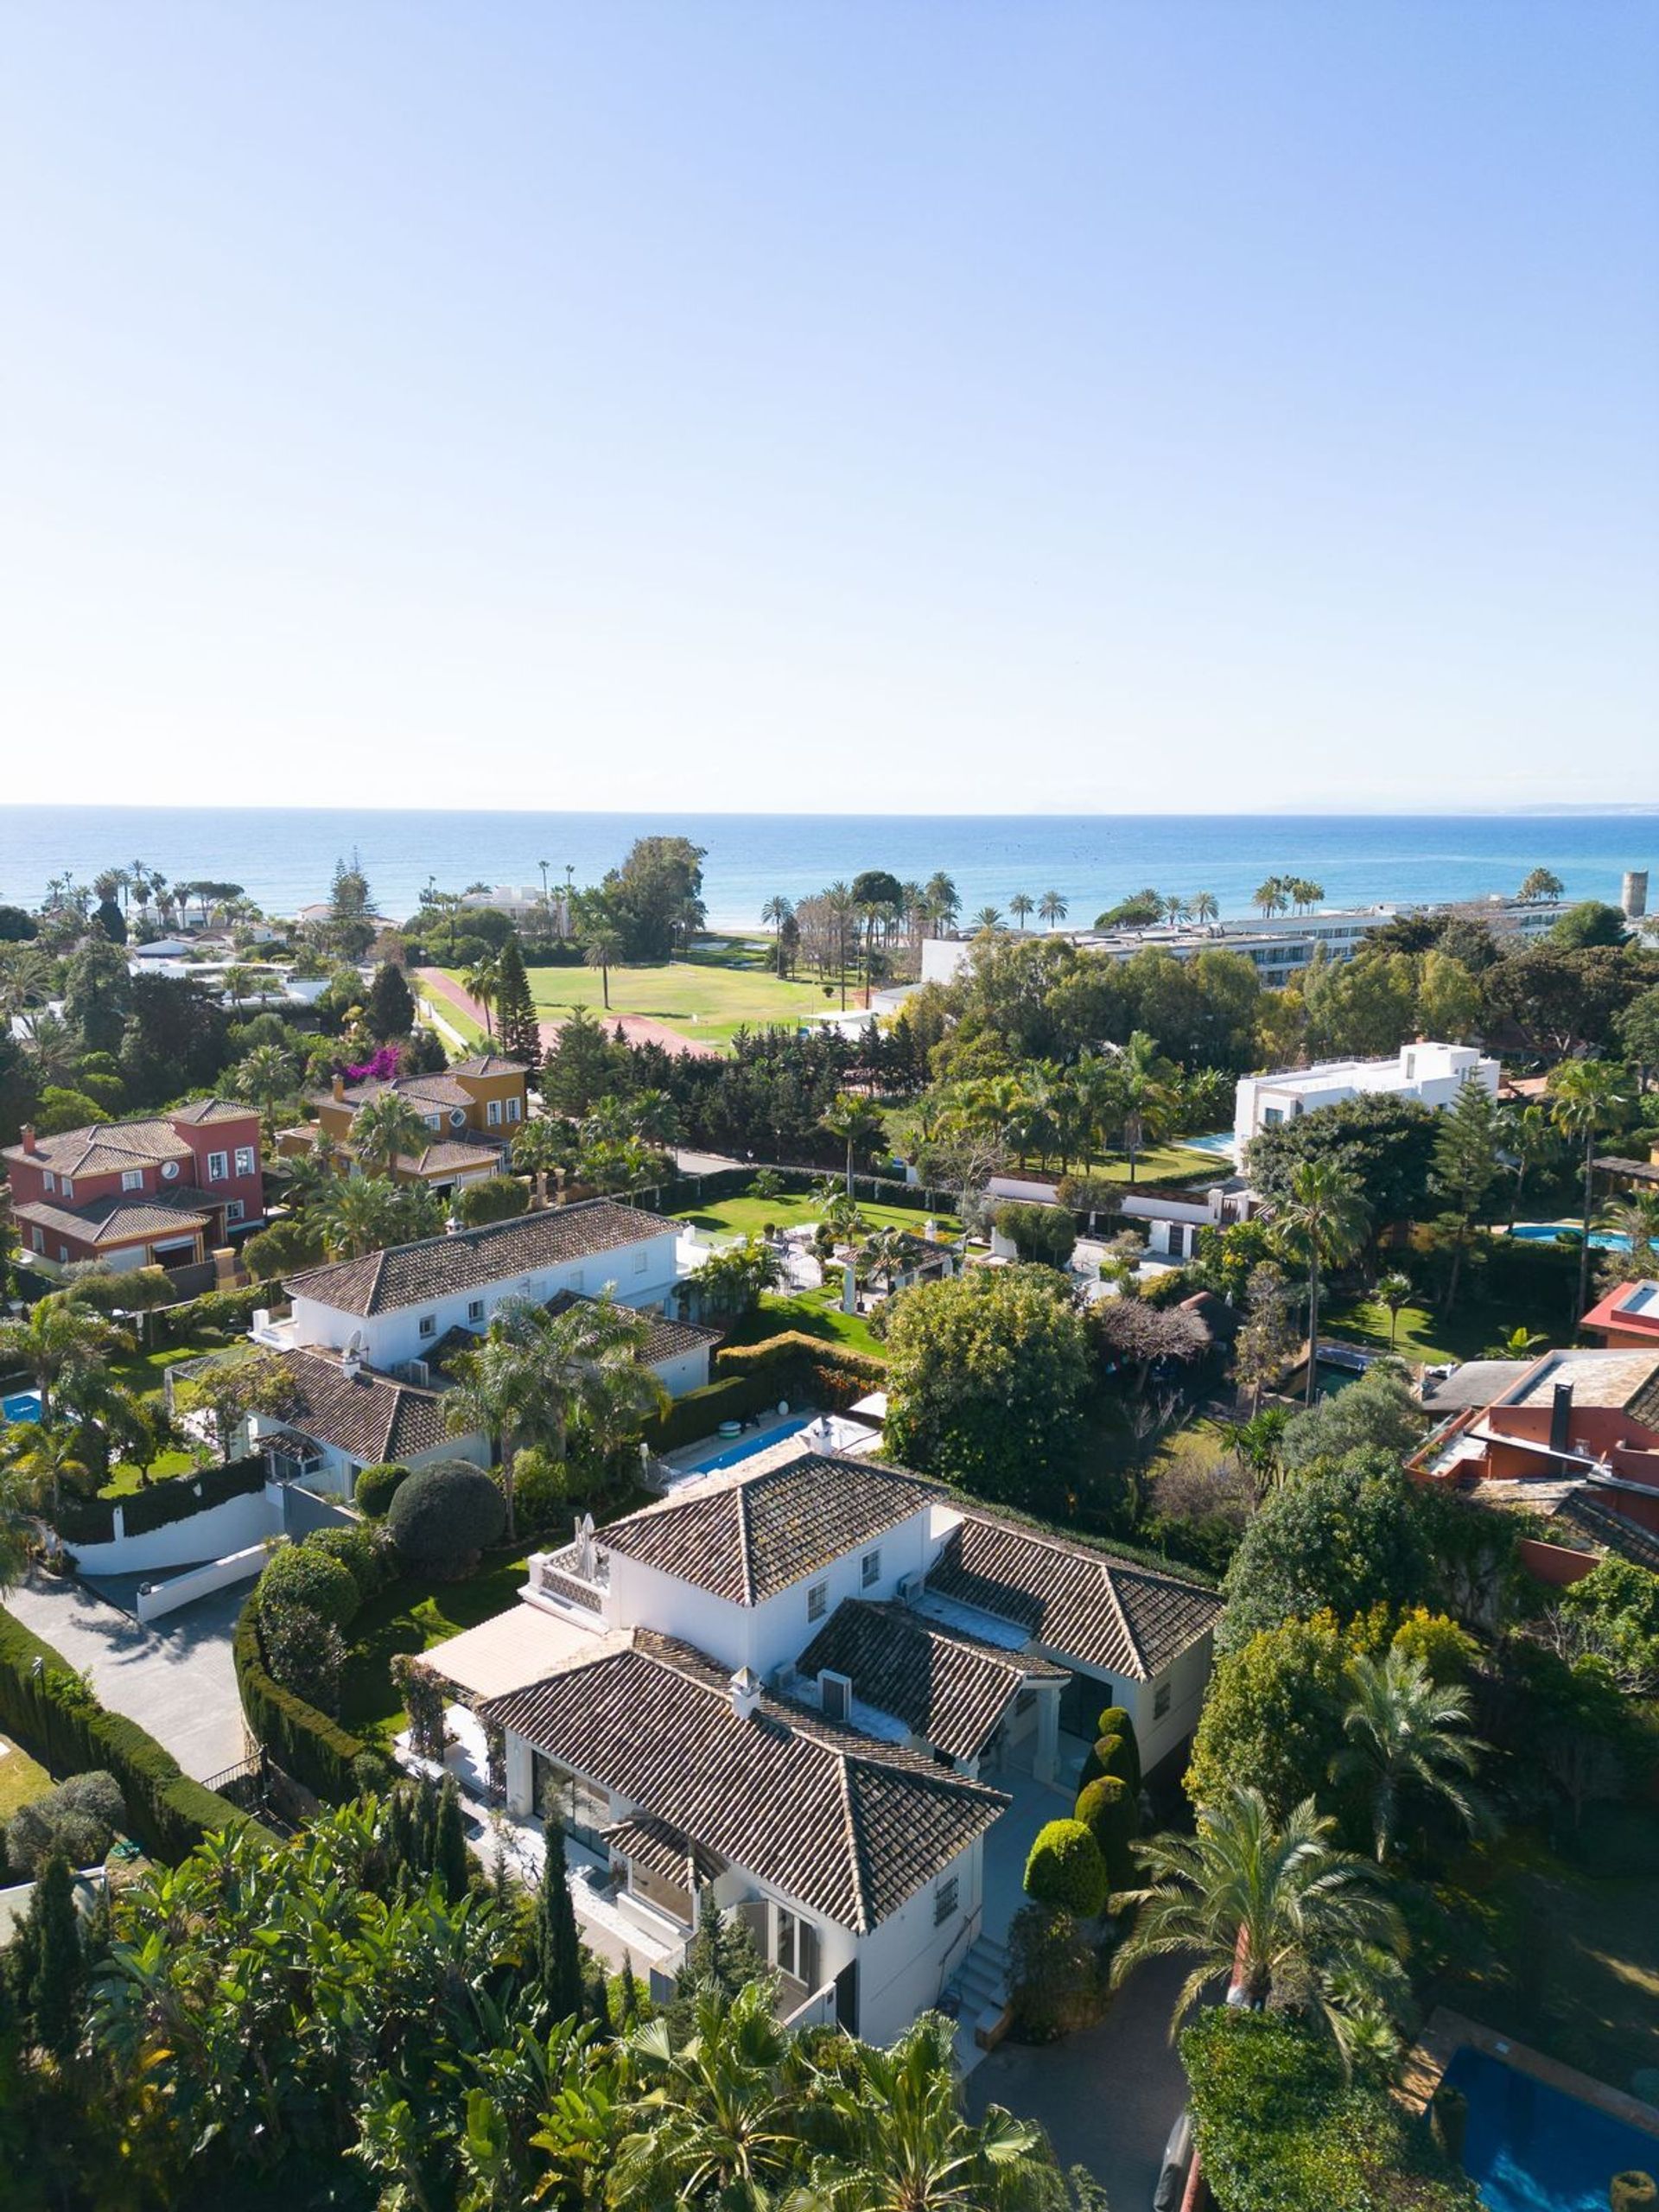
[555,1946]
[55,1963]
[516,1024]
[450,1860]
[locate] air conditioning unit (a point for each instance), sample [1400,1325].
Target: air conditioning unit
[910,1588]
[419,1373]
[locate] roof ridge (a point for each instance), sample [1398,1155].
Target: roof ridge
[854,1839]
[1110,1562]
[1124,1623]
[745,1542]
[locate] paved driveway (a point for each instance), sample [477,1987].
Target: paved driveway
[1107,2096]
[175,1679]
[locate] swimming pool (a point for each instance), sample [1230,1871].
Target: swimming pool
[23,1405]
[1221,1144]
[1531,2148]
[1550,1232]
[756,1439]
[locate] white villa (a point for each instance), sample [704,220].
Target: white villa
[1433,1073]
[365,1338]
[840,1696]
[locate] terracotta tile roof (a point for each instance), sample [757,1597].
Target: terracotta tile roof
[487,1064]
[114,1220]
[847,1827]
[419,1090]
[944,1685]
[368,1416]
[664,1340]
[746,1535]
[1622,1380]
[206,1113]
[1108,1612]
[103,1147]
[410,1274]
[661,1848]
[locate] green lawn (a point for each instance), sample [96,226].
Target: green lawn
[20,1780]
[745,1217]
[814,1313]
[126,1478]
[410,1615]
[147,1370]
[1560,1948]
[719,990]
[1434,1337]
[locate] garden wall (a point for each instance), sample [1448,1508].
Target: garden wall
[156,1598]
[86,1523]
[209,1533]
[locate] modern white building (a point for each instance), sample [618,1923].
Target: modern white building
[823,1685]
[1432,1073]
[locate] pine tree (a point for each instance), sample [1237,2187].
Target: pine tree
[449,1861]
[630,1995]
[722,1955]
[555,1946]
[1464,1167]
[515,1011]
[390,1009]
[56,1964]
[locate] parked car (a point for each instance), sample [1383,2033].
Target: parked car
[1178,2157]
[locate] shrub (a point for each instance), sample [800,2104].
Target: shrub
[303,1576]
[305,1652]
[1053,1973]
[541,1490]
[1065,1868]
[78,1820]
[55,1717]
[443,1516]
[1116,1750]
[1043,1234]
[304,1742]
[363,1553]
[377,1486]
[497,1199]
[1108,1810]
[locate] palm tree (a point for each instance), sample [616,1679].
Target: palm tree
[57,1342]
[1175,907]
[1322,1223]
[1635,1216]
[1530,1135]
[989,918]
[714,2120]
[387,1129]
[1407,1734]
[15,1530]
[602,949]
[944,899]
[1271,897]
[269,1074]
[42,1458]
[777,911]
[1205,907]
[900,2141]
[884,1254]
[1585,1096]
[483,981]
[541,1149]
[1020,906]
[1145,1099]
[1052,908]
[1393,1291]
[361,1213]
[856,1123]
[1522,1342]
[312,1175]
[1271,1908]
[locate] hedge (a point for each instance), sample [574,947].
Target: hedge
[754,1378]
[304,1742]
[799,1356]
[221,1313]
[44,1705]
[700,1413]
[92,1520]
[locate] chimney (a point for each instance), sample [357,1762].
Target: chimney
[339,1086]
[29,1136]
[746,1687]
[1560,1418]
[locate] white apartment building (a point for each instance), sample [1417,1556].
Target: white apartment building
[1433,1073]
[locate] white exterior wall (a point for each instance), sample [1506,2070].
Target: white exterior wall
[1431,1072]
[201,1582]
[688,1372]
[642,1274]
[761,1637]
[219,1529]
[900,1961]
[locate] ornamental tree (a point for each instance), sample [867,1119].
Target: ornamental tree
[444,1516]
[1065,1868]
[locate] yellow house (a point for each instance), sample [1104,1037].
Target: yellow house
[474,1109]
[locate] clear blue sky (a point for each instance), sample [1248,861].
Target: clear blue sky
[930,407]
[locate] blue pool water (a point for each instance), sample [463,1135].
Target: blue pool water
[25,1406]
[1547,1232]
[1221,1144]
[745,1448]
[1530,2148]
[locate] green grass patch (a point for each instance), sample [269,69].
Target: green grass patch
[412,1615]
[708,996]
[746,1216]
[125,1479]
[1558,1953]
[1434,1337]
[813,1313]
[21,1778]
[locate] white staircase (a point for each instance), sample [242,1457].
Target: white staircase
[980,1986]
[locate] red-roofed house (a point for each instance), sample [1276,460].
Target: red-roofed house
[157,1192]
[1627,1318]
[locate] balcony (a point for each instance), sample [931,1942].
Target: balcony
[576,1579]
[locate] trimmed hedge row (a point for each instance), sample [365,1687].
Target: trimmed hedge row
[92,1520]
[753,1378]
[700,1413]
[224,1313]
[45,1706]
[304,1743]
[795,1349]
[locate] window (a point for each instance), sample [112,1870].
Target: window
[869,1569]
[474,1309]
[48,1179]
[232,1210]
[246,1160]
[514,1110]
[63,1253]
[132,1178]
[218,1167]
[817,1601]
[1160,1702]
[434,1121]
[641,1261]
[67,1187]
[39,1239]
[944,1901]
[795,1948]
[429,1324]
[492,1113]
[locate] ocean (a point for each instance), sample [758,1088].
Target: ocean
[283,856]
